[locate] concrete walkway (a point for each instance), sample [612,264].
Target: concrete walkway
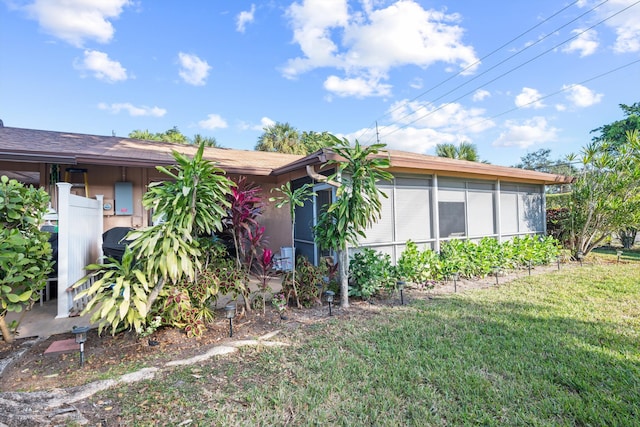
[41,321]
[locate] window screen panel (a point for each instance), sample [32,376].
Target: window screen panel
[452,219]
[480,213]
[413,213]
[508,213]
[382,230]
[531,216]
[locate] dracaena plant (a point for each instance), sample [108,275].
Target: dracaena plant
[244,207]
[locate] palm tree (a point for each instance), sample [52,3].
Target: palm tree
[280,138]
[209,141]
[464,151]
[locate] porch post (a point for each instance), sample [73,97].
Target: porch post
[64,191]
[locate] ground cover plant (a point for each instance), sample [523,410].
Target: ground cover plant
[561,348]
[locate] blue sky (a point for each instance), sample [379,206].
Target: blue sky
[509,76]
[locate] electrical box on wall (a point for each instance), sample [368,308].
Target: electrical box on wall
[107,207]
[124,198]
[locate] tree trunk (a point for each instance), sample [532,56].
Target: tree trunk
[6,334]
[343,256]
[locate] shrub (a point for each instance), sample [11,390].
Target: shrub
[370,272]
[308,279]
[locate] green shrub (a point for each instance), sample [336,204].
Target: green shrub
[419,267]
[370,272]
[308,281]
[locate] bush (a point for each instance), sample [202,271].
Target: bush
[369,273]
[308,279]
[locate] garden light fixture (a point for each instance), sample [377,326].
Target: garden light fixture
[496,271]
[230,313]
[619,252]
[80,333]
[329,296]
[580,256]
[456,277]
[558,260]
[529,267]
[400,285]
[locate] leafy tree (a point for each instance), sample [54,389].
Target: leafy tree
[314,141]
[606,194]
[464,151]
[25,252]
[293,198]
[192,203]
[616,133]
[281,138]
[540,161]
[357,204]
[175,136]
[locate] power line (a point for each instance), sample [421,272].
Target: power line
[509,71]
[497,50]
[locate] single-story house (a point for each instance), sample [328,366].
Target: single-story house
[430,200]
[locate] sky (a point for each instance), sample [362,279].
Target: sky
[511,77]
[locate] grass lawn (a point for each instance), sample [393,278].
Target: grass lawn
[556,349]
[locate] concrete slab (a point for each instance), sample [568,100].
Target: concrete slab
[41,321]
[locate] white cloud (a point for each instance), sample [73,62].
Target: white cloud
[412,139]
[133,110]
[581,96]
[372,41]
[101,66]
[416,83]
[213,121]
[530,132]
[358,87]
[193,70]
[529,98]
[450,118]
[626,25]
[481,94]
[244,18]
[586,43]
[76,21]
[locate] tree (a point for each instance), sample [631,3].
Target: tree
[294,198]
[192,202]
[616,134]
[606,194]
[357,205]
[25,252]
[209,141]
[314,141]
[539,161]
[280,138]
[464,151]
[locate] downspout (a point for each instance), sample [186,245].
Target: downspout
[311,172]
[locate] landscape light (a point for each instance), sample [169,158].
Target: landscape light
[558,260]
[329,296]
[580,256]
[496,270]
[230,313]
[400,285]
[80,333]
[529,267]
[619,252]
[456,277]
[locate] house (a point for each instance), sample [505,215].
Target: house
[430,200]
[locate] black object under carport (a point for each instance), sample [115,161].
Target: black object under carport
[114,243]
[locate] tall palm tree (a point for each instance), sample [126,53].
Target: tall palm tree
[280,138]
[464,151]
[209,141]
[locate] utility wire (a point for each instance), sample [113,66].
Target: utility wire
[497,50]
[509,71]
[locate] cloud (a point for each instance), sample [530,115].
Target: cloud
[358,87]
[102,67]
[481,94]
[581,96]
[370,42]
[133,110]
[586,43]
[530,132]
[193,70]
[76,21]
[244,18]
[529,98]
[626,25]
[412,139]
[213,121]
[264,122]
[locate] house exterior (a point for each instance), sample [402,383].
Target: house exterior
[429,201]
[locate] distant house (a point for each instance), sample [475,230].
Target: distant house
[430,200]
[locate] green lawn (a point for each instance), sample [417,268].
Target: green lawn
[557,349]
